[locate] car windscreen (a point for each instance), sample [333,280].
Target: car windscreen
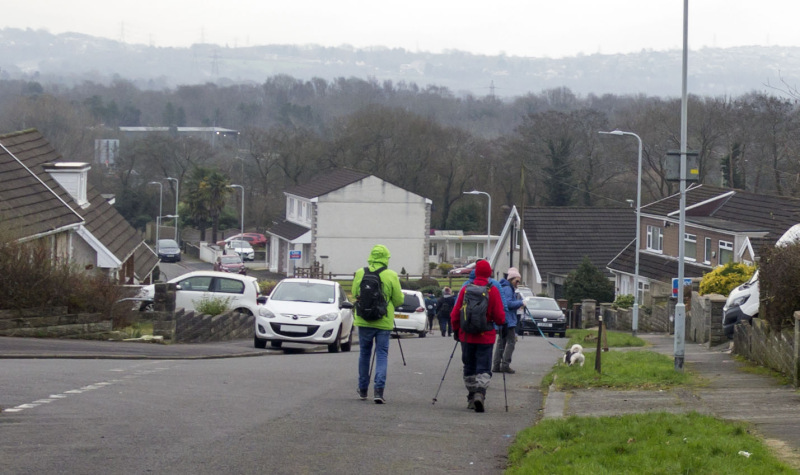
[542,304]
[304,292]
[167,243]
[410,303]
[230,259]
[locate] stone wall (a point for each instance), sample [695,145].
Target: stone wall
[54,323]
[762,345]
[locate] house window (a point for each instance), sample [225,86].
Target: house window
[644,287]
[690,246]
[708,251]
[655,239]
[290,212]
[725,252]
[432,250]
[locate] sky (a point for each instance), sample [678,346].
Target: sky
[532,28]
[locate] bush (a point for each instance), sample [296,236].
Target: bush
[266,286]
[726,278]
[779,281]
[444,267]
[588,282]
[213,306]
[432,289]
[624,301]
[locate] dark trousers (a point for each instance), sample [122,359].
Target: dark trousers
[444,326]
[477,359]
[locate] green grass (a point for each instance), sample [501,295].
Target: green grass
[588,339]
[655,443]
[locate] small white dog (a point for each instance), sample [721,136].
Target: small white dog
[574,355]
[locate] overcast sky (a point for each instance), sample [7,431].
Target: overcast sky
[536,28]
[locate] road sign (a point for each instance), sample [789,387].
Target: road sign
[686,281]
[295,255]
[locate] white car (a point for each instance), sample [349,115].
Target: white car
[242,291]
[309,311]
[411,316]
[243,248]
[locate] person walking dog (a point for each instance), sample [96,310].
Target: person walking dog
[507,336]
[377,292]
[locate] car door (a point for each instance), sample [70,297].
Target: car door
[193,289]
[346,313]
[232,289]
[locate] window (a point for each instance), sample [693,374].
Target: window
[432,250]
[655,239]
[644,287]
[725,252]
[230,286]
[690,246]
[290,211]
[708,250]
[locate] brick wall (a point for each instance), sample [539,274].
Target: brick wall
[54,323]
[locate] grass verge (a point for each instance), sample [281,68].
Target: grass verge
[656,443]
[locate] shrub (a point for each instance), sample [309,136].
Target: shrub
[266,286]
[624,301]
[588,282]
[726,278]
[779,281]
[213,306]
[445,267]
[433,289]
[427,282]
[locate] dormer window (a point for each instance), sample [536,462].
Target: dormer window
[73,177]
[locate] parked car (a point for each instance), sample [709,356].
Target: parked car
[462,270]
[524,292]
[243,248]
[168,250]
[255,239]
[411,316]
[242,291]
[230,263]
[308,311]
[543,313]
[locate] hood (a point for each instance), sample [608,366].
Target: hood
[379,257]
[300,309]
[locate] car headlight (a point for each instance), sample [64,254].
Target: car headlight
[328,317]
[265,312]
[740,300]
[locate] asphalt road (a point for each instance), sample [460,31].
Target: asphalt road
[292,413]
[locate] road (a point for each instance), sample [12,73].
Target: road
[292,413]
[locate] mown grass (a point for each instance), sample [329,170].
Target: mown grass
[655,443]
[588,339]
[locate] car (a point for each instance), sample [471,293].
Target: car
[242,291]
[306,311]
[410,316]
[524,292]
[543,315]
[168,250]
[255,239]
[462,270]
[243,248]
[230,263]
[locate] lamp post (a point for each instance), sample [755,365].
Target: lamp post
[635,323]
[241,224]
[488,218]
[158,218]
[177,195]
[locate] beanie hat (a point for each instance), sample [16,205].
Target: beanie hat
[483,269]
[513,273]
[447,292]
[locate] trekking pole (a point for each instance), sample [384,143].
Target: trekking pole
[374,350]
[397,333]
[445,372]
[505,394]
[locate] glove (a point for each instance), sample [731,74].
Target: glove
[504,330]
[455,336]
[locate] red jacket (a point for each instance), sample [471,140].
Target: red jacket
[496,315]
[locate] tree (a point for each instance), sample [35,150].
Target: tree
[588,282]
[206,194]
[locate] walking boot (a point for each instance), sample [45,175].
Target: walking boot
[379,396]
[471,400]
[496,368]
[506,369]
[362,394]
[478,401]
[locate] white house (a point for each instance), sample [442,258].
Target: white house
[457,248]
[337,218]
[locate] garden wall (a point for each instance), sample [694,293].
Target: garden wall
[54,323]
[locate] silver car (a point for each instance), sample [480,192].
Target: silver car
[243,248]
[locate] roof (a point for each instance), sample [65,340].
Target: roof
[560,237]
[327,182]
[28,205]
[654,267]
[732,210]
[287,230]
[104,222]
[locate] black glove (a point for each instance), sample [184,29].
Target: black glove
[455,335]
[504,330]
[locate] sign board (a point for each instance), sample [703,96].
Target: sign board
[672,166]
[295,255]
[686,281]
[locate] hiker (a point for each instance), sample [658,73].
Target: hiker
[430,308]
[443,307]
[496,283]
[476,348]
[375,328]
[507,335]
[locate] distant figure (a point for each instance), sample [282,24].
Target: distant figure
[430,308]
[443,307]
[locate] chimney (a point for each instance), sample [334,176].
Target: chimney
[73,177]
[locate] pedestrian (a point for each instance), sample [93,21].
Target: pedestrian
[507,335]
[443,307]
[476,348]
[430,308]
[376,331]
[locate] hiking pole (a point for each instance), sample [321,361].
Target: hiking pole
[374,350]
[445,372]
[505,394]
[397,333]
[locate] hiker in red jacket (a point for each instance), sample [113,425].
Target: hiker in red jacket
[476,348]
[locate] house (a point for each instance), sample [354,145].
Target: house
[551,242]
[457,248]
[721,226]
[46,199]
[335,220]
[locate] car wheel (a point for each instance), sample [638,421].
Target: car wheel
[147,307]
[244,311]
[259,342]
[349,343]
[336,346]
[275,344]
[423,334]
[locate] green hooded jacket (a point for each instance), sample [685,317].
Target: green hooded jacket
[379,257]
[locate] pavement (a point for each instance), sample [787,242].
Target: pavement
[730,393]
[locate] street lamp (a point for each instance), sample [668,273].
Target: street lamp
[177,195]
[241,224]
[158,218]
[488,218]
[635,323]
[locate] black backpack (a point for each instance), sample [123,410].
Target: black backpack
[474,308]
[371,304]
